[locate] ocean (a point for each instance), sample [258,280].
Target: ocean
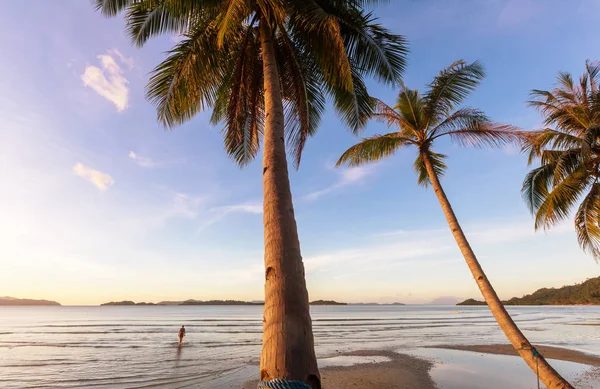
[137,347]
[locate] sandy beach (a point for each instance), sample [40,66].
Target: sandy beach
[450,367]
[399,371]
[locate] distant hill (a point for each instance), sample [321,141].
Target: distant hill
[126,302]
[472,302]
[585,293]
[12,301]
[219,302]
[326,302]
[187,302]
[376,304]
[445,300]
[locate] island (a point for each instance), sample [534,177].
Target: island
[219,302]
[126,302]
[12,301]
[215,302]
[326,302]
[186,302]
[472,302]
[585,293]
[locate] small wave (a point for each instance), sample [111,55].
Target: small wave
[41,364]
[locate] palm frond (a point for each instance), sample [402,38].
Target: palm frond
[373,149]
[535,142]
[317,31]
[374,49]
[240,102]
[146,19]
[303,95]
[536,185]
[111,7]
[471,127]
[354,107]
[557,202]
[188,79]
[385,114]
[587,218]
[411,107]
[565,163]
[451,87]
[593,71]
[565,115]
[437,162]
[232,16]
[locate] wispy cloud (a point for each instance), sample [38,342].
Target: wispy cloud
[518,11]
[376,255]
[109,81]
[101,180]
[127,61]
[346,177]
[198,209]
[249,207]
[142,161]
[477,233]
[216,214]
[186,206]
[386,248]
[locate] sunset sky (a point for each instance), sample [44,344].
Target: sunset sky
[100,203]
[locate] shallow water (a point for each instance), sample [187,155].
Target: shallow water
[455,369]
[136,347]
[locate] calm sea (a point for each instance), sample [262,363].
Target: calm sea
[136,347]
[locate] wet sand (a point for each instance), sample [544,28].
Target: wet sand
[450,367]
[400,371]
[548,352]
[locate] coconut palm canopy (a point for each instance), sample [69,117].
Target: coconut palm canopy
[323,48]
[265,67]
[420,119]
[569,155]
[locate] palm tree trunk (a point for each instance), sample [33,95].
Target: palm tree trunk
[288,345]
[538,364]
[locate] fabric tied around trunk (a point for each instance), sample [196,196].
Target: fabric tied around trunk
[283,384]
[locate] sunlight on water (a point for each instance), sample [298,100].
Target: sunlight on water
[136,347]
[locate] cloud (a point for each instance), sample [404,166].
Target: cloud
[127,61]
[395,248]
[516,12]
[377,256]
[198,210]
[109,81]
[346,177]
[142,161]
[249,207]
[101,180]
[186,206]
[219,213]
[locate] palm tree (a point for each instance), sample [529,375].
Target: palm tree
[420,120]
[569,155]
[265,68]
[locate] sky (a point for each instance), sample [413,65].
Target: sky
[99,203]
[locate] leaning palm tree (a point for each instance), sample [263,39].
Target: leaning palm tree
[420,120]
[265,68]
[569,155]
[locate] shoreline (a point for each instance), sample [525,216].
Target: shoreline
[447,366]
[549,352]
[399,371]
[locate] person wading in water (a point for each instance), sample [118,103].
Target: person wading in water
[181,334]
